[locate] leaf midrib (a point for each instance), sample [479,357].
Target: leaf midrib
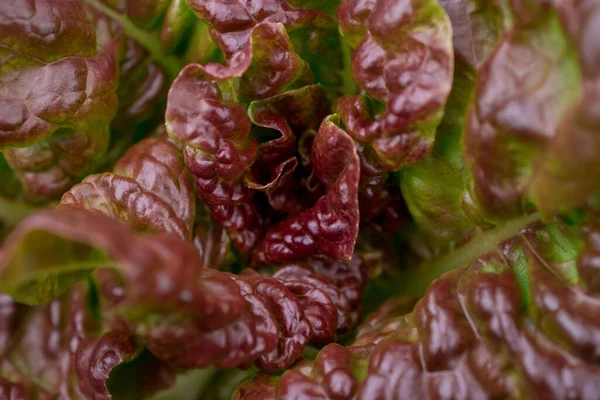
[417,281]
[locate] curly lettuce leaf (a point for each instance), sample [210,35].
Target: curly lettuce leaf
[296,188]
[60,349]
[262,68]
[330,227]
[436,190]
[521,133]
[403,58]
[283,167]
[261,65]
[57,94]
[477,191]
[290,113]
[517,321]
[50,251]
[157,284]
[156,289]
[125,280]
[312,33]
[218,149]
[132,275]
[222,150]
[150,189]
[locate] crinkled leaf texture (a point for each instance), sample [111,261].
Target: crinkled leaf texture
[225,161]
[218,149]
[150,188]
[130,273]
[519,321]
[330,227]
[155,288]
[436,190]
[403,57]
[270,61]
[60,350]
[531,137]
[57,94]
[234,26]
[283,168]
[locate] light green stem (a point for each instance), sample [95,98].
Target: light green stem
[417,281]
[169,63]
[348,80]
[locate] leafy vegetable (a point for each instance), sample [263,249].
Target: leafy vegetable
[402,57]
[517,322]
[331,226]
[191,308]
[202,199]
[57,93]
[59,349]
[216,162]
[539,119]
[150,189]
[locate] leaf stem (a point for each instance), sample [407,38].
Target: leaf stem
[417,281]
[347,78]
[169,63]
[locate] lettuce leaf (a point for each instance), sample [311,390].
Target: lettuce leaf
[516,321]
[403,58]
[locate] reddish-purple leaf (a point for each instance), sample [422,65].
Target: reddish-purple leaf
[218,150]
[57,94]
[330,227]
[150,189]
[403,58]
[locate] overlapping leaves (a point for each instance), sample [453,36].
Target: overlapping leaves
[151,286]
[57,93]
[283,157]
[517,322]
[539,123]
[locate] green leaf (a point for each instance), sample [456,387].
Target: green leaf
[39,261]
[434,189]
